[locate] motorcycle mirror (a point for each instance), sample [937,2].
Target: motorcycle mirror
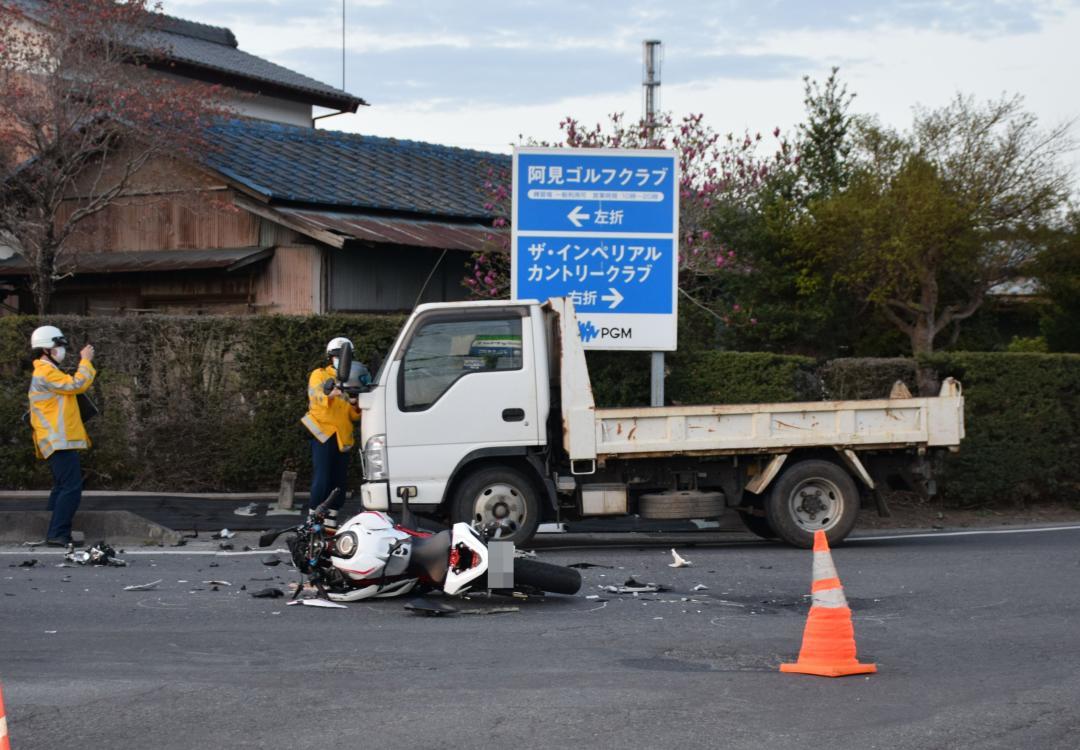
[267,538]
[344,367]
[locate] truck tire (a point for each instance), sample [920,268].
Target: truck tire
[546,577]
[809,496]
[757,525]
[681,504]
[501,494]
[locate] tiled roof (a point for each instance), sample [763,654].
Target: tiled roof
[304,166]
[215,48]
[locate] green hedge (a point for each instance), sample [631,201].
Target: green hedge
[213,403]
[189,403]
[1021,415]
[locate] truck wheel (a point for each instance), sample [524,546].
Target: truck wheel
[812,495]
[498,494]
[758,525]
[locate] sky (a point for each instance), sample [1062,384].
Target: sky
[484,74]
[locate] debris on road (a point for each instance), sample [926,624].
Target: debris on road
[429,608]
[317,603]
[227,546]
[679,562]
[584,565]
[144,586]
[700,587]
[634,587]
[526,553]
[489,611]
[271,560]
[223,534]
[28,563]
[217,583]
[268,593]
[99,554]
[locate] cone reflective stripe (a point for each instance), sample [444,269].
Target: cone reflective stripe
[828,646]
[4,743]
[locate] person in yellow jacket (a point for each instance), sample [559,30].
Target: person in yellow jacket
[331,419]
[58,428]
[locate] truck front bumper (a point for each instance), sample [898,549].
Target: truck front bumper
[375,495]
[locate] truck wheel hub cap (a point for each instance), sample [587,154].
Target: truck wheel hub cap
[500,502]
[816,504]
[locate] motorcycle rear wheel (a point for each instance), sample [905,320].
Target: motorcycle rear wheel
[546,577]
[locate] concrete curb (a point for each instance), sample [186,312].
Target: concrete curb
[113,526]
[240,497]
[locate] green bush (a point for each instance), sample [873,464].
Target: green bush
[200,403]
[710,377]
[1021,417]
[213,403]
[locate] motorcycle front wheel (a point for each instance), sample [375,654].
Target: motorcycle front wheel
[546,577]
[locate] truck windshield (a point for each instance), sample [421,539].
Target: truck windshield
[442,352]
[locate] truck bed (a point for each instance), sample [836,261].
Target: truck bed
[766,428]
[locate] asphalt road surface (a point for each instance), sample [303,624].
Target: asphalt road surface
[976,636]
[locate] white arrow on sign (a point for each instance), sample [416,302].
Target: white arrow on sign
[614,298]
[576,216]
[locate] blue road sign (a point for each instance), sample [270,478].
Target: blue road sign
[600,226]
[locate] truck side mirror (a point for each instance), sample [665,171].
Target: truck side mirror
[344,366]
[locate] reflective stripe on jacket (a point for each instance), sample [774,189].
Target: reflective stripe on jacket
[329,416]
[54,412]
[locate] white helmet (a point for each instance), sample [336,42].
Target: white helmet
[336,343]
[47,337]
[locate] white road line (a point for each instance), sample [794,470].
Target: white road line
[35,551]
[974,532]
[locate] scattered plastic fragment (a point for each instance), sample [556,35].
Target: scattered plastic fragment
[144,586]
[317,603]
[247,510]
[429,608]
[217,583]
[489,611]
[526,553]
[584,565]
[634,587]
[271,560]
[679,562]
[700,587]
[268,593]
[224,534]
[99,554]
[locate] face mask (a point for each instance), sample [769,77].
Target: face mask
[59,353]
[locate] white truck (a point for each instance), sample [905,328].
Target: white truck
[483,411]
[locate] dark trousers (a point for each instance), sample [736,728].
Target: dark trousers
[331,471]
[66,492]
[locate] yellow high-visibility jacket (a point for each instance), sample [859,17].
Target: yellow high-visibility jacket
[329,416]
[54,412]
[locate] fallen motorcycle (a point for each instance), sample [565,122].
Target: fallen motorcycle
[372,556]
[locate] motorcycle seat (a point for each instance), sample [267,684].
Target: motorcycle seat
[432,555]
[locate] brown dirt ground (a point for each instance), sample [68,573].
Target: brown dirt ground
[913,512]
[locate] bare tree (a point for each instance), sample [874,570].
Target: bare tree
[85,104]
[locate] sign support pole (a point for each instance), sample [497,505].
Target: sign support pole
[651,84]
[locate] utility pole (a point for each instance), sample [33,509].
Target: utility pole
[651,84]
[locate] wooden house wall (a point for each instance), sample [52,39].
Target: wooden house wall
[384,278]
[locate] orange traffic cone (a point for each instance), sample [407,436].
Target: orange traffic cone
[4,743]
[828,647]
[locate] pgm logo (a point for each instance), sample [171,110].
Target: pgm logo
[588,332]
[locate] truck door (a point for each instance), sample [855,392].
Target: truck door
[462,381]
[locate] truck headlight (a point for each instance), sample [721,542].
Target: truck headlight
[375,458]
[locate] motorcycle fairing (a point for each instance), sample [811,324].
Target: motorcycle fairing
[464,538]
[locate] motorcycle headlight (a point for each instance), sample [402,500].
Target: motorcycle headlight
[345,544]
[375,458]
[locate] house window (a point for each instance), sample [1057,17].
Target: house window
[442,352]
